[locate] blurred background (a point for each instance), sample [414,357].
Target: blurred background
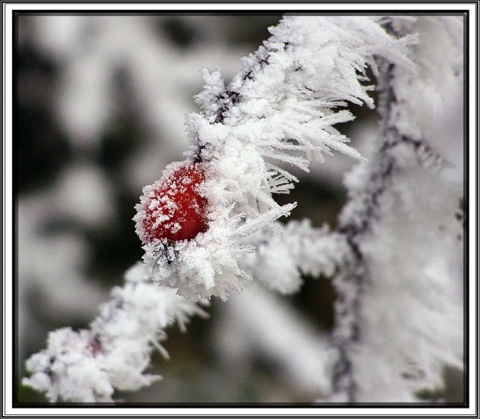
[100,112]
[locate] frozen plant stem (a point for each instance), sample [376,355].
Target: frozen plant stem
[89,365]
[354,274]
[396,294]
[278,111]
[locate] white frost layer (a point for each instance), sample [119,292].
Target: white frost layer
[279,260]
[408,307]
[87,366]
[281,106]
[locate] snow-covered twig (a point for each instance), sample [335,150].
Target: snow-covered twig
[87,366]
[297,248]
[399,314]
[281,107]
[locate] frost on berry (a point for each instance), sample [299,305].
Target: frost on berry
[173,208]
[187,238]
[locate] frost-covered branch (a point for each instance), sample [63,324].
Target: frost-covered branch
[399,314]
[209,225]
[281,108]
[282,257]
[89,365]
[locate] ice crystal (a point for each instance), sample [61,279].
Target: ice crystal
[88,365]
[279,110]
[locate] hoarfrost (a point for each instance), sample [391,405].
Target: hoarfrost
[397,256]
[281,106]
[400,312]
[87,366]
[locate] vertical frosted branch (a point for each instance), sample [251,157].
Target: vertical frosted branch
[400,311]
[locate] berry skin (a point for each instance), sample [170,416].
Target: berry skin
[172,208]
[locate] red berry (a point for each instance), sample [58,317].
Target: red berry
[173,208]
